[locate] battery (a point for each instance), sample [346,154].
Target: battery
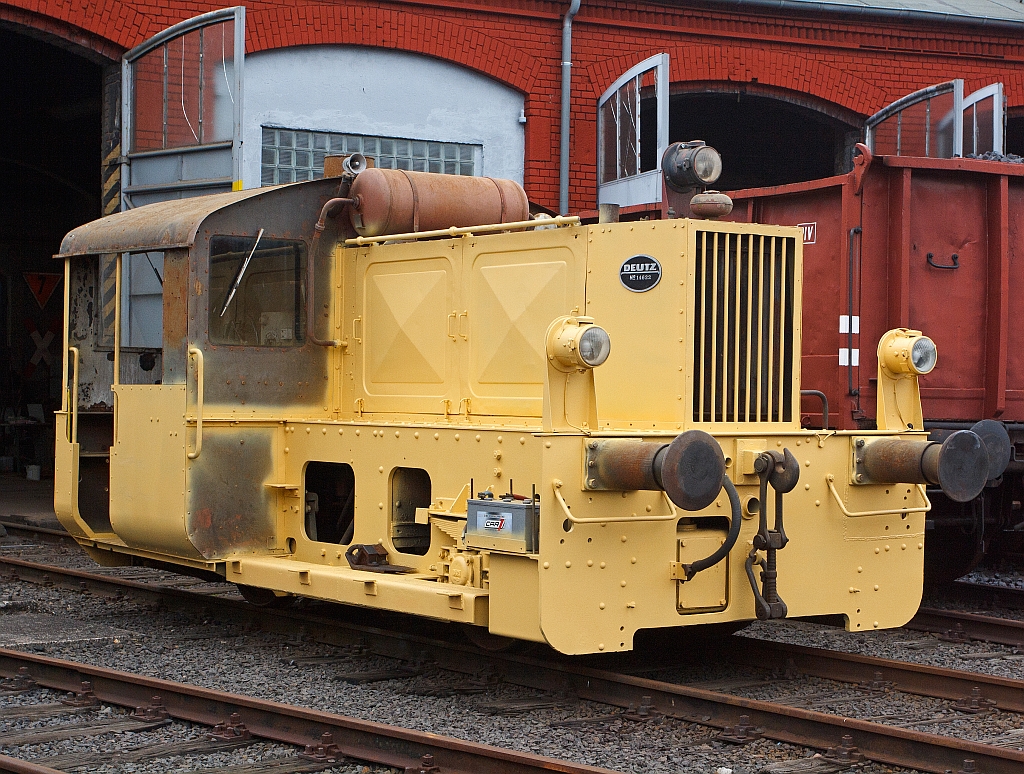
[505,524]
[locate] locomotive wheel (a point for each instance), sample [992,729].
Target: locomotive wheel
[492,643]
[259,597]
[949,554]
[955,545]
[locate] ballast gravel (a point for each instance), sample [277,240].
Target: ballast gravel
[225,656]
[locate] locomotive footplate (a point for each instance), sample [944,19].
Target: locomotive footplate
[782,471]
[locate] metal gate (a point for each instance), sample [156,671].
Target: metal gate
[181,103]
[940,122]
[632,134]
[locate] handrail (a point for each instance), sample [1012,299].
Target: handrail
[561,220]
[830,479]
[314,248]
[73,408]
[199,402]
[556,484]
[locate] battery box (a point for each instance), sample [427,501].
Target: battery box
[504,524]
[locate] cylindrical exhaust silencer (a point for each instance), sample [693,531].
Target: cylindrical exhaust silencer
[689,470]
[393,201]
[959,465]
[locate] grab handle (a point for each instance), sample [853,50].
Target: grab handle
[556,485]
[953,264]
[830,479]
[73,399]
[199,401]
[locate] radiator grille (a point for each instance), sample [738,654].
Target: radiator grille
[744,328]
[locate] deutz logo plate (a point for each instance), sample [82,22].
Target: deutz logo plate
[640,273]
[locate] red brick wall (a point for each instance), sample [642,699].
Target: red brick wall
[857,64]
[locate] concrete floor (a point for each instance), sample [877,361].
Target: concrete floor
[27,501]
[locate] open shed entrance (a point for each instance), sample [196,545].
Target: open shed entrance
[50,149]
[764,140]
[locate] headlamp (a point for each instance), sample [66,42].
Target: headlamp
[905,351]
[689,164]
[575,343]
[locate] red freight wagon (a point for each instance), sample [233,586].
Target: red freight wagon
[931,244]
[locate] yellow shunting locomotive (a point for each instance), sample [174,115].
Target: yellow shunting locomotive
[559,432]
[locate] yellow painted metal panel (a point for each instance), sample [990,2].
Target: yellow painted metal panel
[514,286]
[356,587]
[514,586]
[147,469]
[404,331]
[65,480]
[640,387]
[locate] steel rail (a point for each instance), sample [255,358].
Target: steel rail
[1007,597]
[807,728]
[1004,631]
[917,679]
[47,534]
[361,739]
[9,765]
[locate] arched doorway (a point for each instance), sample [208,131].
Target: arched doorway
[766,136]
[50,161]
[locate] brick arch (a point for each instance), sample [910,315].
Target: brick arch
[747,65]
[57,26]
[388,28]
[110,27]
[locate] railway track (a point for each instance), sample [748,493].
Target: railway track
[741,719]
[329,737]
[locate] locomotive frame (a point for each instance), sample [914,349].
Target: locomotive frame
[364,441]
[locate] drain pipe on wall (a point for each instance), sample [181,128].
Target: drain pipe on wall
[563,128]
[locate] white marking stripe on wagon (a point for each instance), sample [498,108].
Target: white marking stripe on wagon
[844,357]
[844,323]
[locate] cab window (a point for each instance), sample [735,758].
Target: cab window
[256,291]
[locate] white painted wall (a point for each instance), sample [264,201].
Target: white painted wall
[376,91]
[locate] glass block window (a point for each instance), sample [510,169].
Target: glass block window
[291,155]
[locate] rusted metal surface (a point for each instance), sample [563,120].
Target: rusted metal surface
[393,201]
[969,626]
[15,766]
[360,739]
[621,464]
[161,226]
[229,508]
[959,465]
[691,470]
[255,379]
[175,316]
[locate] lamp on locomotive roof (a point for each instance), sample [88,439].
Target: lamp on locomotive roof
[692,167]
[690,164]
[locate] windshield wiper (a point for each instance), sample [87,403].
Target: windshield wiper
[241,273]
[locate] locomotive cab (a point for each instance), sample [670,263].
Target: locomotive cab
[564,433]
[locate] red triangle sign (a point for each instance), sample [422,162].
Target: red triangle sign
[42,284]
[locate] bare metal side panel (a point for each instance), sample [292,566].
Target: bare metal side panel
[258,380]
[229,507]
